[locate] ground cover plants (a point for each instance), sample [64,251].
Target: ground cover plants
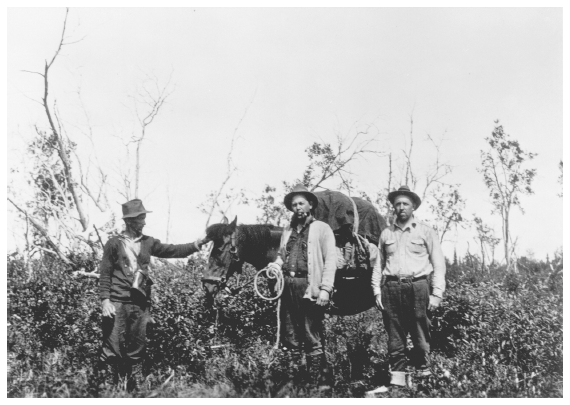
[497,334]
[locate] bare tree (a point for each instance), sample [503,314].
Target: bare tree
[327,162]
[60,145]
[212,201]
[486,239]
[506,179]
[58,209]
[409,177]
[147,104]
[222,201]
[435,173]
[98,193]
[382,202]
[438,170]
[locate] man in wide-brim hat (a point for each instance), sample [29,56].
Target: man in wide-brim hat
[124,290]
[307,257]
[410,252]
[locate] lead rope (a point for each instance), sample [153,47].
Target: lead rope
[280,284]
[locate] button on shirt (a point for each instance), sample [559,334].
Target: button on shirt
[411,252]
[296,250]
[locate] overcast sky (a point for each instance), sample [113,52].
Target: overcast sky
[303,75]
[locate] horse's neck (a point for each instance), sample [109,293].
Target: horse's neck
[260,256]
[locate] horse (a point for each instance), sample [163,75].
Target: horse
[234,245]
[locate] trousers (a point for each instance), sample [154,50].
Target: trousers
[301,319]
[405,311]
[124,335]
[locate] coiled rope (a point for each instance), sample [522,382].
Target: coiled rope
[276,275]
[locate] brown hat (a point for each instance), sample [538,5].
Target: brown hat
[133,209]
[405,190]
[300,189]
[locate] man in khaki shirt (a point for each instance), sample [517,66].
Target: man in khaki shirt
[409,252]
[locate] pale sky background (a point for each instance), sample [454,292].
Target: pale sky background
[310,73]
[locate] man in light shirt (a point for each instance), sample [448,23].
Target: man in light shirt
[410,251]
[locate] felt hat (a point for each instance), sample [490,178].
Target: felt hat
[133,208]
[300,189]
[405,190]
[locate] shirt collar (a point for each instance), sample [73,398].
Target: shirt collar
[123,235]
[410,224]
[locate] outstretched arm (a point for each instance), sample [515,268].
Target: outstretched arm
[169,251]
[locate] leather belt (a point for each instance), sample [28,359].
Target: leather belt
[405,279]
[297,274]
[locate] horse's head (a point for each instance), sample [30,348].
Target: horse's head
[223,260]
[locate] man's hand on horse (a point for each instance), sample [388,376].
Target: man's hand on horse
[323,299]
[108,308]
[434,302]
[379,302]
[202,240]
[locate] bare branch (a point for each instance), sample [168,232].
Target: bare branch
[48,65]
[44,233]
[37,73]
[230,168]
[155,102]
[82,272]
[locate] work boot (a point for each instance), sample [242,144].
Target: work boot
[106,375]
[325,380]
[297,366]
[423,372]
[318,371]
[136,378]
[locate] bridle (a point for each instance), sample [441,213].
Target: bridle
[233,248]
[221,282]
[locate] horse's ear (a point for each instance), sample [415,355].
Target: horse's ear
[224,220]
[234,223]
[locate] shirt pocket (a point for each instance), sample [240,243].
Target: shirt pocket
[390,247]
[417,246]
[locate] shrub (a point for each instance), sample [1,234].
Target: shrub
[496,334]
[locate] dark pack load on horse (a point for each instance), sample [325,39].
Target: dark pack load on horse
[353,291]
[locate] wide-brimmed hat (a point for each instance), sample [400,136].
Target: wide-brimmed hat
[405,190]
[133,208]
[300,189]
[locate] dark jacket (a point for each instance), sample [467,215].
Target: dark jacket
[115,281]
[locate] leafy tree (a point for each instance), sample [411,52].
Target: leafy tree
[505,177]
[486,238]
[272,212]
[446,207]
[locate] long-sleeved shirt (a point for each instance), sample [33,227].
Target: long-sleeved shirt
[411,252]
[321,257]
[123,256]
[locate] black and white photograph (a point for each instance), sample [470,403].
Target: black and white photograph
[289,200]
